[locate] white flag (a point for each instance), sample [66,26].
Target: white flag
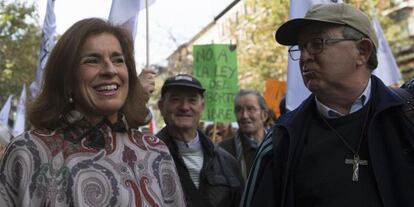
[125,13]
[296,91]
[387,68]
[46,46]
[19,121]
[5,111]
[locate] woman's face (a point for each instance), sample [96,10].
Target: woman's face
[101,85]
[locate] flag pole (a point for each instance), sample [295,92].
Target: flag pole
[147,32]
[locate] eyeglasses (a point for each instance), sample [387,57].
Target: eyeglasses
[314,46]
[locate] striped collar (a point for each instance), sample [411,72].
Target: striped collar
[357,105]
[193,144]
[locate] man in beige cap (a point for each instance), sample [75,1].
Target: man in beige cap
[349,143]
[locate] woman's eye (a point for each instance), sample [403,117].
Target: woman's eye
[90,60]
[118,60]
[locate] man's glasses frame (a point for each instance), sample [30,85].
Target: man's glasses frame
[314,46]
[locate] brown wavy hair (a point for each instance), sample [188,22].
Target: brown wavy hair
[46,111]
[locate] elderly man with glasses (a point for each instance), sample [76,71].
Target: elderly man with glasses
[251,113]
[349,143]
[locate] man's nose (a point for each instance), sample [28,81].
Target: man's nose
[305,54]
[243,113]
[184,104]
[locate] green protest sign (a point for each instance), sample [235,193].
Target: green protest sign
[215,66]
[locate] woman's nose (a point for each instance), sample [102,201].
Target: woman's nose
[109,68]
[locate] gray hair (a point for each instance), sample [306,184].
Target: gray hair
[349,32]
[243,92]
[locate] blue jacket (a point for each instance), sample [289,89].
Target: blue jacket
[390,143]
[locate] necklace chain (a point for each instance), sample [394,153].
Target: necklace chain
[361,136]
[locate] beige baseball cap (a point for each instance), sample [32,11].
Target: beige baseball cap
[342,14]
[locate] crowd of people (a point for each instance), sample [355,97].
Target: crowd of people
[350,143]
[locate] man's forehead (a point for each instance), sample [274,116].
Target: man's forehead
[253,100]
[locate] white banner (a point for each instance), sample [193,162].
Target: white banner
[387,68]
[5,111]
[19,121]
[125,13]
[46,45]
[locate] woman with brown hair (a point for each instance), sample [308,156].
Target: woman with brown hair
[85,149]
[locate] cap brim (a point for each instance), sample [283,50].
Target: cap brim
[183,85]
[288,33]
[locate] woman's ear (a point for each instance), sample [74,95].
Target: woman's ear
[365,48]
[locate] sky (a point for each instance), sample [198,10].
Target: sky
[172,22]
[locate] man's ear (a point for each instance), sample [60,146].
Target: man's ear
[265,115]
[365,48]
[203,102]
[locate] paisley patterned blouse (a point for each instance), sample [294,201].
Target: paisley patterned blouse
[77,166]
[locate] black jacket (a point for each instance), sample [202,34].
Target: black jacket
[221,184]
[390,143]
[242,149]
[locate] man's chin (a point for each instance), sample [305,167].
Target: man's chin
[246,130]
[184,126]
[312,85]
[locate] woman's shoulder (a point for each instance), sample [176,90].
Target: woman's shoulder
[31,137]
[31,141]
[37,142]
